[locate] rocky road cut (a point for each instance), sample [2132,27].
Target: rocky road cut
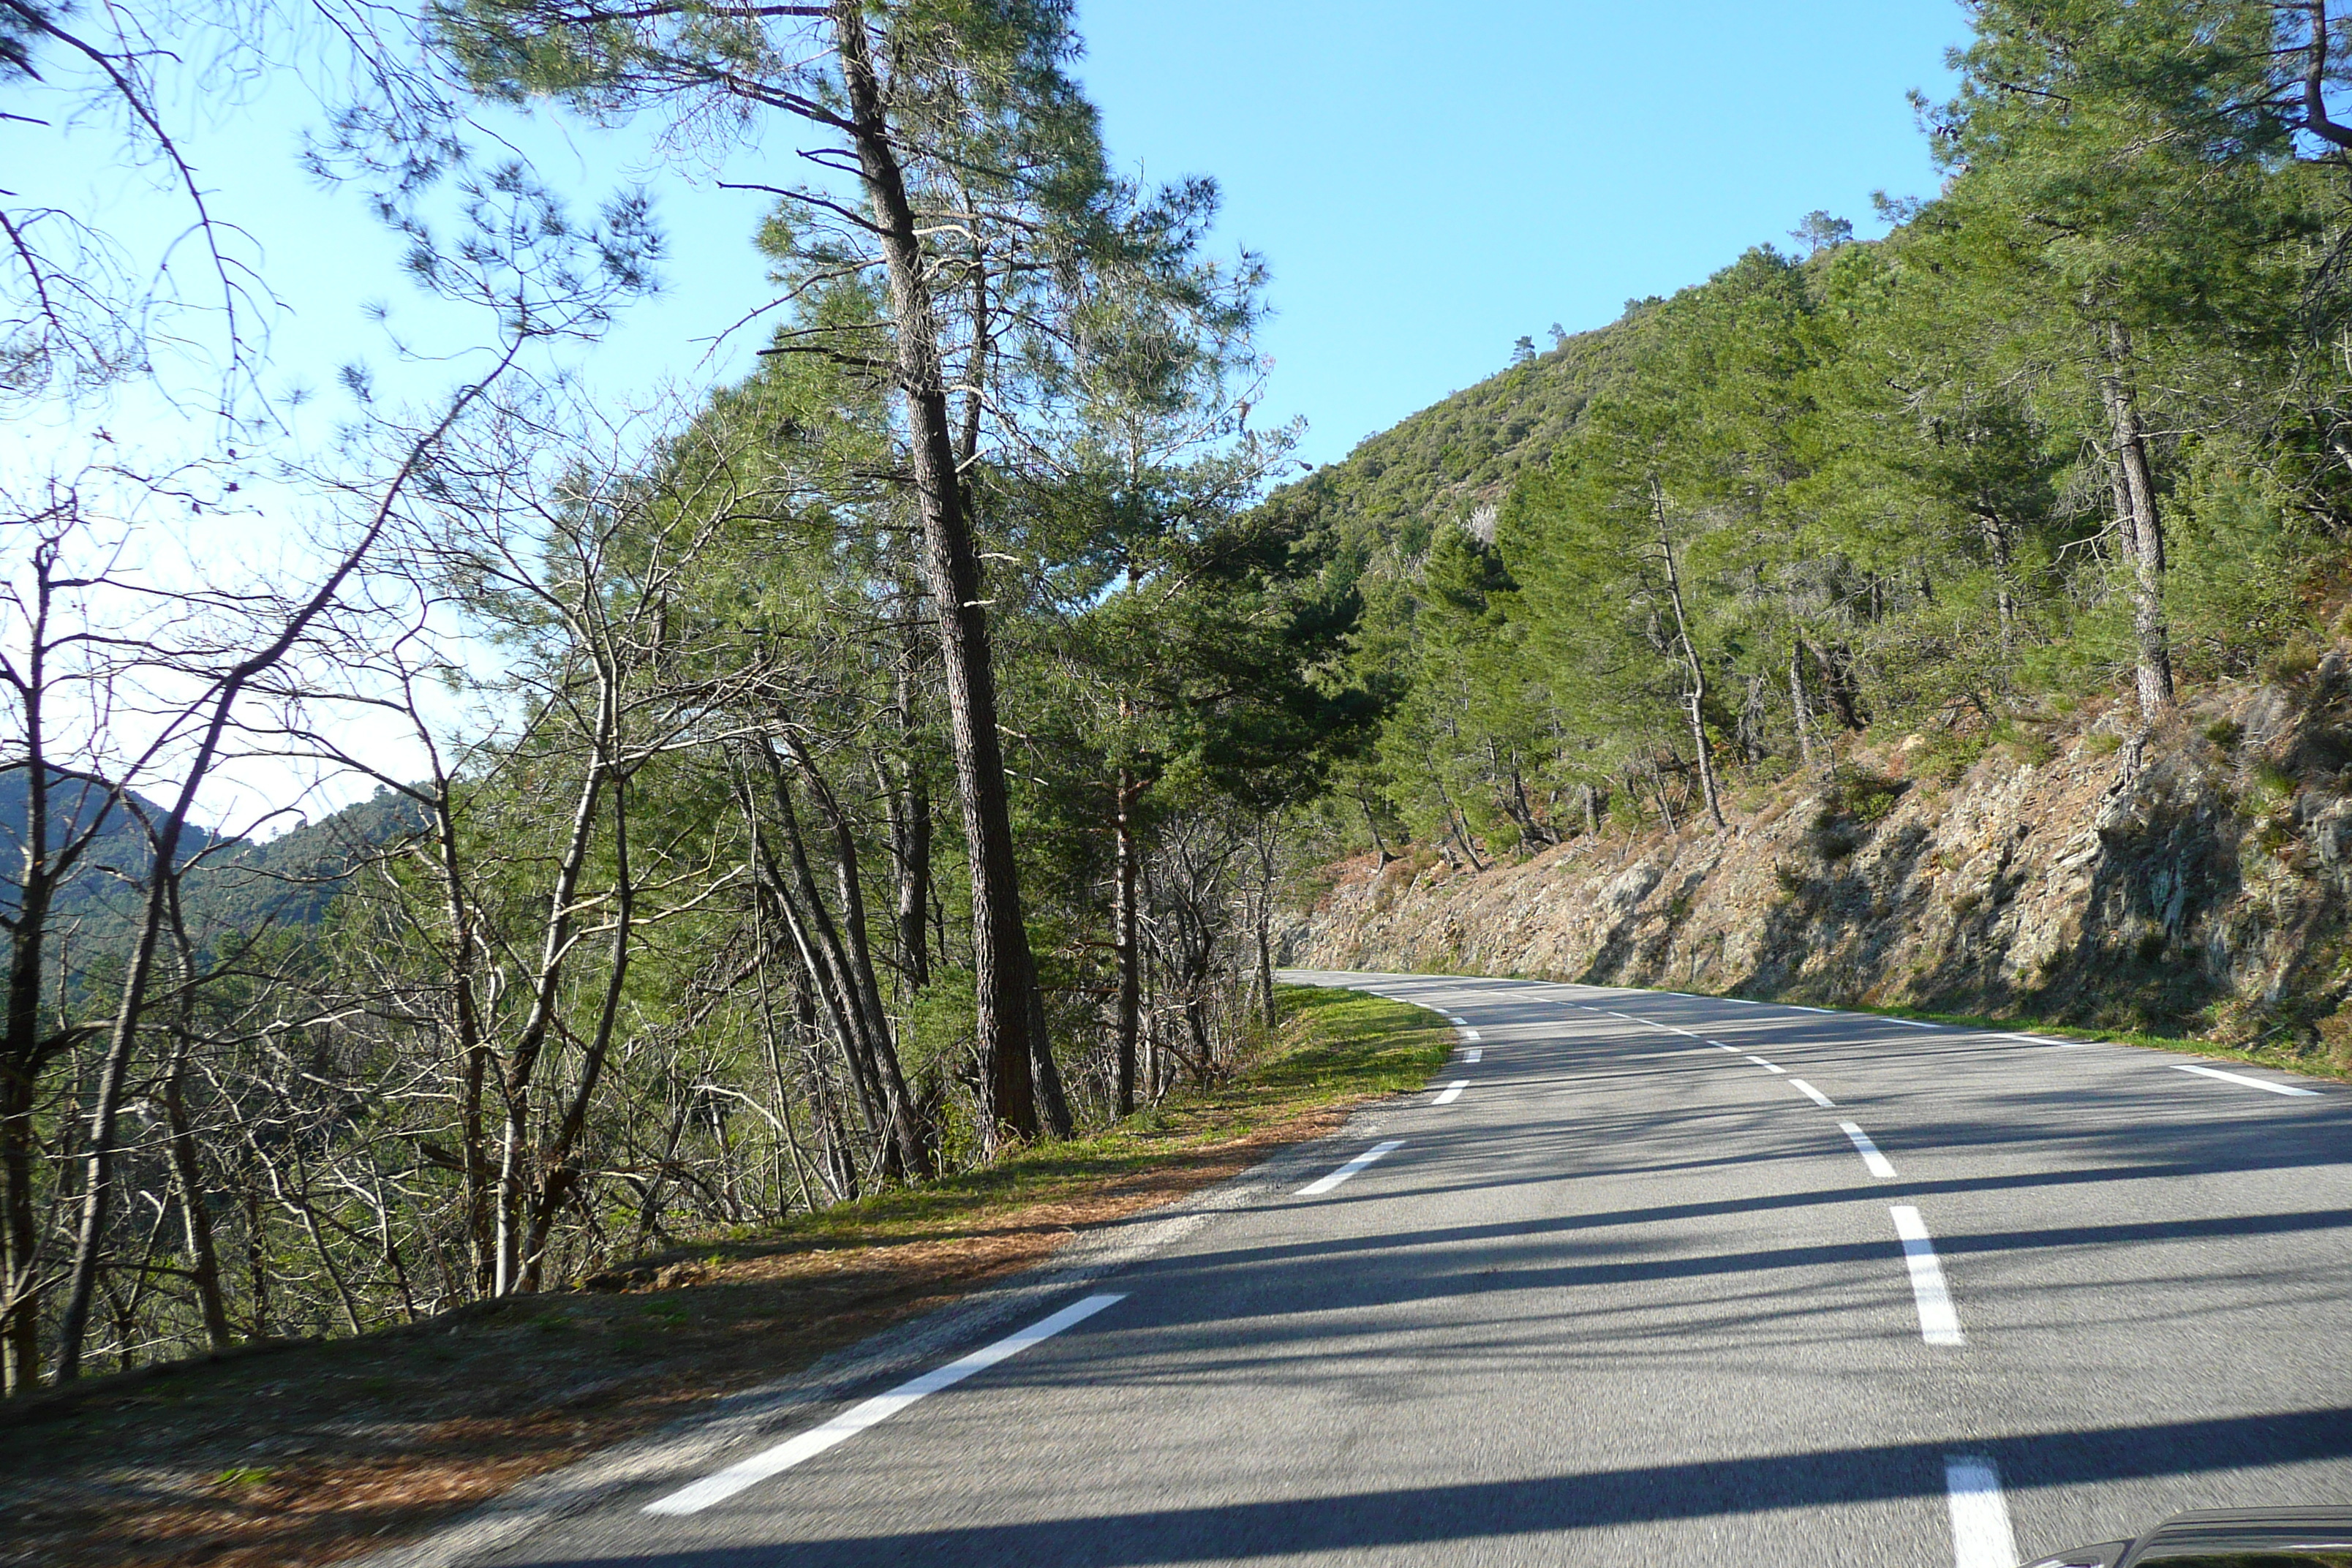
[1641,1279]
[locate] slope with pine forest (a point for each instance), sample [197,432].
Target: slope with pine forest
[1953,618]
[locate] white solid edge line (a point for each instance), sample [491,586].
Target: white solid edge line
[2239,1077]
[1326,1184]
[1761,1062]
[1474,1054]
[1815,1095]
[1980,1533]
[1877,1162]
[735,1478]
[1938,1324]
[1914,1024]
[1452,1091]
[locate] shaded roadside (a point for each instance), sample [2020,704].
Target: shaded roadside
[320,1452]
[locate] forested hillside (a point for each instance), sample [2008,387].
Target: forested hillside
[897,755]
[1455,461]
[2077,424]
[230,887]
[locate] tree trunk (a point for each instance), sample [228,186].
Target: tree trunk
[1266,857]
[196,1223]
[1837,687]
[561,1176]
[1457,824]
[1996,537]
[649,1206]
[20,1064]
[187,1169]
[1751,721]
[1695,698]
[913,1155]
[819,945]
[514,1179]
[1052,1104]
[1799,706]
[1378,844]
[1123,938]
[1001,957]
[1658,787]
[910,822]
[473,1047]
[2138,519]
[26,1050]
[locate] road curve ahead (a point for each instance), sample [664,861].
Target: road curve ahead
[1641,1279]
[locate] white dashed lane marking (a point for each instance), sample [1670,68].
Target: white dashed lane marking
[1938,1324]
[2239,1077]
[1871,1157]
[1980,1533]
[784,1455]
[1323,1185]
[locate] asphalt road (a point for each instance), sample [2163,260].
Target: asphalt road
[1631,1296]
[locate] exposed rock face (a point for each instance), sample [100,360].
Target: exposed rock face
[2191,877]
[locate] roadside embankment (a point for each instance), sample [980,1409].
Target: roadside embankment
[2189,877]
[319,1452]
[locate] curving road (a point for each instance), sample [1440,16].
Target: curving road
[1642,1278]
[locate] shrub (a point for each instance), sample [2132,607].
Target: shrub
[2291,662]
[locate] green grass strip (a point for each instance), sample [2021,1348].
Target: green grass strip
[1333,1048]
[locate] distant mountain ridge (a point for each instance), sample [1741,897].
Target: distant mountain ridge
[231,885]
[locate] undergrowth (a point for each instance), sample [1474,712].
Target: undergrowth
[1332,1046]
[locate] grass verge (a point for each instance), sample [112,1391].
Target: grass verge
[324,1451]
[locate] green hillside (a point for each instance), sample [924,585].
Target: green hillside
[231,886]
[1457,456]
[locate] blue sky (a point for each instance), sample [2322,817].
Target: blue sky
[1427,185]
[1430,183]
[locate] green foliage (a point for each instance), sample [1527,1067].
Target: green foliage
[2237,590]
[1885,473]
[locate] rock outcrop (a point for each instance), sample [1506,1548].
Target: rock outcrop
[2189,876]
